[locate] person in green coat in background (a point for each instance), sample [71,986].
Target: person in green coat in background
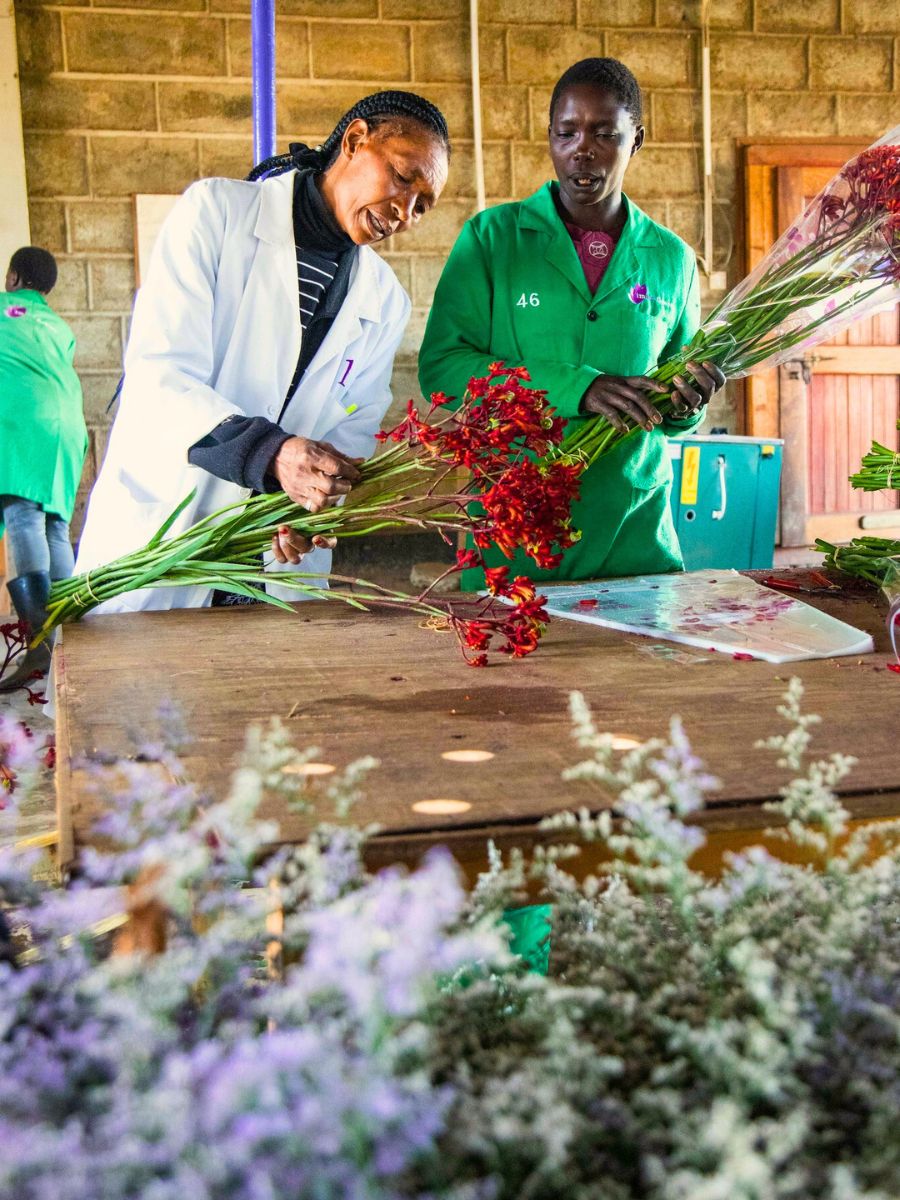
[44,441]
[584,289]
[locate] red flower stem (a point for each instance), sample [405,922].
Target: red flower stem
[453,567]
[13,644]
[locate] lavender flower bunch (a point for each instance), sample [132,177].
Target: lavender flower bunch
[307,1030]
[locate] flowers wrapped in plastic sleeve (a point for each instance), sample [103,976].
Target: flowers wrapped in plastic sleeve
[839,261]
[891,589]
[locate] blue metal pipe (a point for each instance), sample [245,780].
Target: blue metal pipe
[262,50]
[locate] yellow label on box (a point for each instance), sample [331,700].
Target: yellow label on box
[768,451]
[690,474]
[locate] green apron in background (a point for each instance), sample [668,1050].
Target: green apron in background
[43,438]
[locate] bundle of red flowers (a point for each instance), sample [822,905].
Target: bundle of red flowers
[522,501]
[873,188]
[503,440]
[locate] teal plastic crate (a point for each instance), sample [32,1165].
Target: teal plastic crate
[725,499]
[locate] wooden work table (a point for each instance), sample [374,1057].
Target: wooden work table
[353,684]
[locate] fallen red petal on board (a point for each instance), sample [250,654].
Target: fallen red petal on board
[893,667]
[789,585]
[588,603]
[823,581]
[739,657]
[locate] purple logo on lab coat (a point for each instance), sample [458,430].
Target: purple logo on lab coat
[16,310]
[638,293]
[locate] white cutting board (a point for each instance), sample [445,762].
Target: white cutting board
[715,610]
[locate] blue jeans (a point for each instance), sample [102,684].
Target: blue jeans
[39,540]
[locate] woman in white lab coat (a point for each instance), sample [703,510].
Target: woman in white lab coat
[263,338]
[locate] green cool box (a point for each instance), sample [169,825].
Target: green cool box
[725,499]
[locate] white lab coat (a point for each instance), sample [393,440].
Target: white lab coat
[216,332]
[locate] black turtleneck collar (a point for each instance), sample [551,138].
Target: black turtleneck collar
[315,227]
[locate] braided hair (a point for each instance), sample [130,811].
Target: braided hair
[606,73]
[375,110]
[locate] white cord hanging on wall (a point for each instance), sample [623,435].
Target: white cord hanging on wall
[717,279]
[706,105]
[478,144]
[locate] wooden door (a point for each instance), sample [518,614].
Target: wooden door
[844,395]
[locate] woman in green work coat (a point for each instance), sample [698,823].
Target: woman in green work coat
[44,441]
[589,293]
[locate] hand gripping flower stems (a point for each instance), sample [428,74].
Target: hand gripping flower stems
[504,437]
[840,260]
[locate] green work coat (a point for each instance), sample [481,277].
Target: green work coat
[42,431]
[514,289]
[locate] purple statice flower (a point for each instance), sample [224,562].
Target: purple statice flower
[382,948]
[397,1052]
[638,293]
[57,1045]
[298,1112]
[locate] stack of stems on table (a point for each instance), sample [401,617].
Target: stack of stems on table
[879,470]
[873,558]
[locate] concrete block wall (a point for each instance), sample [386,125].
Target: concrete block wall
[148,95]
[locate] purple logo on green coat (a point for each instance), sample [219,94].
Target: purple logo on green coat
[16,310]
[638,293]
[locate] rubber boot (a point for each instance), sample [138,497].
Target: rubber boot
[30,594]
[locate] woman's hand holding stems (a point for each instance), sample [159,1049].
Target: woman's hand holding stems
[623,398]
[313,474]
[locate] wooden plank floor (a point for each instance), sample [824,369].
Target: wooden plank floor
[353,684]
